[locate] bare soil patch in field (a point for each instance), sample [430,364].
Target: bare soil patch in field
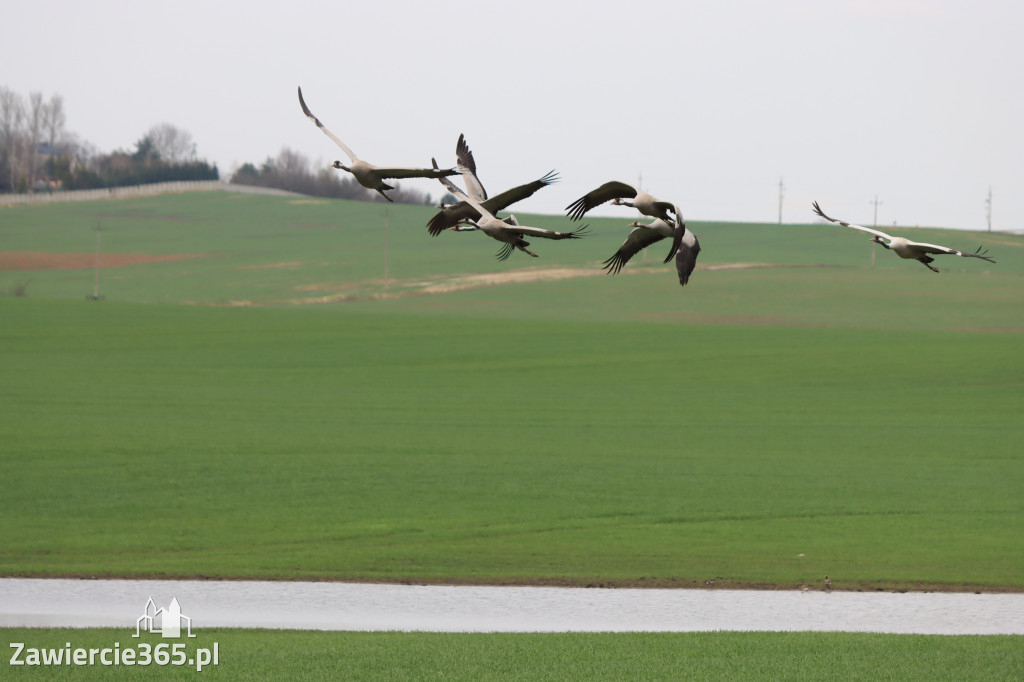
[378,289]
[288,264]
[44,260]
[486,279]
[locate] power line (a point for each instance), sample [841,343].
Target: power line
[96,267]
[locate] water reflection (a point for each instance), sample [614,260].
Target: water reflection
[356,606]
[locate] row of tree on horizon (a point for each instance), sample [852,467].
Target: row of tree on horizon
[39,154]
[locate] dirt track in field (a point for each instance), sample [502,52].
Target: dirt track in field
[447,283]
[366,290]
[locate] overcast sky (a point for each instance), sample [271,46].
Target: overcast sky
[706,103]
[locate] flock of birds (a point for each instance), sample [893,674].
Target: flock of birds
[476,211]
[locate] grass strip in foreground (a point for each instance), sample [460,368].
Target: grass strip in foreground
[284,654]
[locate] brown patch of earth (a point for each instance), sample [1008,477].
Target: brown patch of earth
[508,277]
[44,260]
[271,265]
[439,284]
[443,284]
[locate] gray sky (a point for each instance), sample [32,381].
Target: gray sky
[704,103]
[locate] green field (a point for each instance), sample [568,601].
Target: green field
[264,654]
[764,426]
[269,405]
[293,442]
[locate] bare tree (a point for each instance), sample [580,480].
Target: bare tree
[291,163]
[171,144]
[54,119]
[290,171]
[35,133]
[12,118]
[11,112]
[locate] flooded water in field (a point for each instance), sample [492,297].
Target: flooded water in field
[356,606]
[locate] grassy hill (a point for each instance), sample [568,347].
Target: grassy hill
[250,249]
[792,412]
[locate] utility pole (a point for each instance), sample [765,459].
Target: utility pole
[988,209]
[96,267]
[876,202]
[386,220]
[781,193]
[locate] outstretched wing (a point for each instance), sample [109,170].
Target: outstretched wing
[511,196]
[314,119]
[935,248]
[686,257]
[817,209]
[400,173]
[977,254]
[578,233]
[467,165]
[606,192]
[451,215]
[448,184]
[638,239]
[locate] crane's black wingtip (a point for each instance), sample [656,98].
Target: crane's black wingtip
[305,109]
[614,264]
[436,225]
[576,209]
[983,255]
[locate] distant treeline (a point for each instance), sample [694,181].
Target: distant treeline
[37,153]
[123,170]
